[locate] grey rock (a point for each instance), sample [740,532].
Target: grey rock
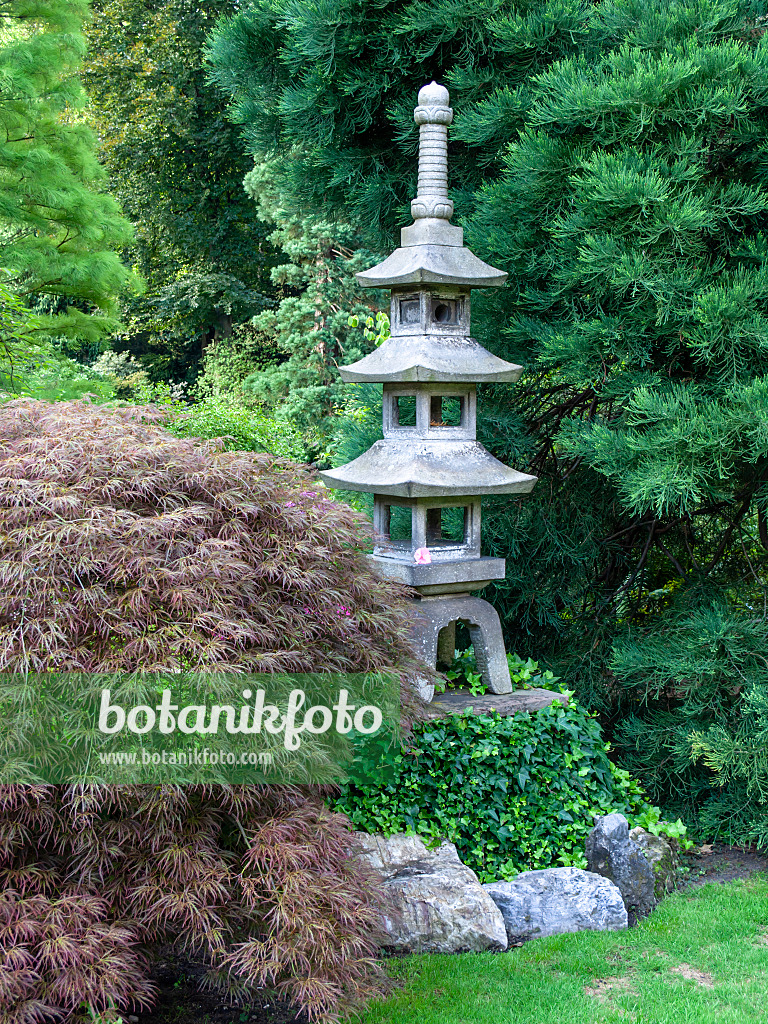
[663,857]
[611,853]
[557,900]
[424,687]
[432,902]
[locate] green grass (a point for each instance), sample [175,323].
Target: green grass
[718,930]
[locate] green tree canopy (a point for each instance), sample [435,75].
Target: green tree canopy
[612,158]
[58,228]
[176,165]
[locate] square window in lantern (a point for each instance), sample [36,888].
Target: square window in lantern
[446,526]
[400,523]
[409,311]
[445,311]
[405,411]
[446,411]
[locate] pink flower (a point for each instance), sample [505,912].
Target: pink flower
[309,494]
[290,504]
[422,556]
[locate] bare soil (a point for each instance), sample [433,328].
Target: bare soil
[719,863]
[181,1001]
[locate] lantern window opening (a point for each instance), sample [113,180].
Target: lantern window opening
[445,311]
[448,526]
[447,411]
[410,311]
[393,525]
[404,410]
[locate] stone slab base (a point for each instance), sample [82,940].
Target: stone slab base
[455,701]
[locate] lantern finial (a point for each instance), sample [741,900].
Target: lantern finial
[433,115]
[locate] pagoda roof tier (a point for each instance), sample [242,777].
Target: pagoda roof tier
[433,358]
[432,264]
[422,469]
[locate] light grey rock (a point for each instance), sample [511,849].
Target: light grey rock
[557,900]
[433,903]
[663,858]
[611,853]
[424,687]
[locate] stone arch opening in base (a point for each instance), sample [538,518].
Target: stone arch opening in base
[434,631]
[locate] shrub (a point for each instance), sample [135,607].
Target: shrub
[124,547]
[525,675]
[513,793]
[254,880]
[240,425]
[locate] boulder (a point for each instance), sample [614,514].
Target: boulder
[612,854]
[432,902]
[557,900]
[662,856]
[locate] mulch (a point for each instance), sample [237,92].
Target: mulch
[181,1000]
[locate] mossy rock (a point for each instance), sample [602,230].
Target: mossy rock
[663,857]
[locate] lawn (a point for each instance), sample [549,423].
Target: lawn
[701,957]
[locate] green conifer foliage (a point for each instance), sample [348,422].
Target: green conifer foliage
[309,327]
[612,158]
[632,213]
[334,84]
[58,229]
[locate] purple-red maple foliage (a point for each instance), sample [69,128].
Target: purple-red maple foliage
[124,548]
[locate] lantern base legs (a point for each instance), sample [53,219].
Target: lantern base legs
[435,614]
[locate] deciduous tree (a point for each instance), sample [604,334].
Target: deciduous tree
[59,229]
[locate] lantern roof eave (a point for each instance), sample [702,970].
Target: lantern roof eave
[432,265]
[421,469]
[430,358]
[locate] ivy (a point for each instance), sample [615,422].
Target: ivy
[514,793]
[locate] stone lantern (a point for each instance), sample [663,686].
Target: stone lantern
[429,473]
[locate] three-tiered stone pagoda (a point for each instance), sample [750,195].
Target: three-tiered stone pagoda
[429,473]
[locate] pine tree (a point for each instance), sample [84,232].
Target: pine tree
[610,157]
[176,165]
[58,229]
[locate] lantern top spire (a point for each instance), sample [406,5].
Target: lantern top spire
[432,95]
[432,250]
[433,115]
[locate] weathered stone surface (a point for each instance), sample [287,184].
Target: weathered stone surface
[434,613]
[429,458]
[424,687]
[662,857]
[611,853]
[423,469]
[557,900]
[457,701]
[432,264]
[434,903]
[430,359]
